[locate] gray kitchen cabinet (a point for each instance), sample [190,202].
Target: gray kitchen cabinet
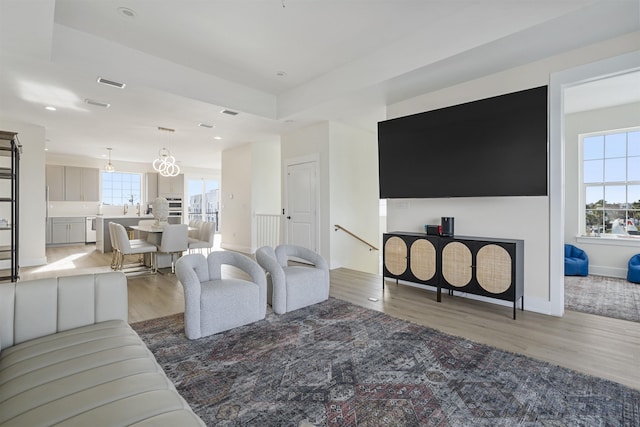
[73,184]
[81,184]
[67,230]
[49,231]
[152,186]
[55,182]
[171,186]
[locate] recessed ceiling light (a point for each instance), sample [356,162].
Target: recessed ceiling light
[217,137]
[126,12]
[206,125]
[229,112]
[281,74]
[50,108]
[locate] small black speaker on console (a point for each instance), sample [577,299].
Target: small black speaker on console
[447,226]
[432,230]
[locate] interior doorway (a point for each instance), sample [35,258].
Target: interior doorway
[559,82]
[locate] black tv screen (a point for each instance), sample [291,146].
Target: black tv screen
[490,147]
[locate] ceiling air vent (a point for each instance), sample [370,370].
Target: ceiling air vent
[205,125]
[111,83]
[97,103]
[229,112]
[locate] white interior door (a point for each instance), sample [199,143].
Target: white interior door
[301,201]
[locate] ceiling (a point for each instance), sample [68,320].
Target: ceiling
[280,64]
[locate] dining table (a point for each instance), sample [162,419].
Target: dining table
[154,236]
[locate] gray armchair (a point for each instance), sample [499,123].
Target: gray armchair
[214,304]
[296,286]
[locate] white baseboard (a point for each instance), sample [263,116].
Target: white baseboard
[32,262]
[236,248]
[599,270]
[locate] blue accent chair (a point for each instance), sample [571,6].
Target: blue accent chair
[633,273]
[576,261]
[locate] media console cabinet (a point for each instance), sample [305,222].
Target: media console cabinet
[475,265]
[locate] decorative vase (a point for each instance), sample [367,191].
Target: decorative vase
[160,212]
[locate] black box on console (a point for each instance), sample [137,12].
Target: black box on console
[432,230]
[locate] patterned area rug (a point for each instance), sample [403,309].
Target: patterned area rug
[338,364]
[604,296]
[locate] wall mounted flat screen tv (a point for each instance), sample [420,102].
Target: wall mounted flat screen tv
[490,147]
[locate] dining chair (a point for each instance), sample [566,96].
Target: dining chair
[127,247]
[174,241]
[114,245]
[194,228]
[205,238]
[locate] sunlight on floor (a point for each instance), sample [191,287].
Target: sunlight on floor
[63,264]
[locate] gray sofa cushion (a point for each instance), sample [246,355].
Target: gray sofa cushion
[101,374]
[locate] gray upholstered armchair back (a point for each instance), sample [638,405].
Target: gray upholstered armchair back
[296,286]
[214,303]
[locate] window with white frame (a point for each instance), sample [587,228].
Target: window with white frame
[611,182]
[203,200]
[121,188]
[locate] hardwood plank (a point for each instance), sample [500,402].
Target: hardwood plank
[604,347]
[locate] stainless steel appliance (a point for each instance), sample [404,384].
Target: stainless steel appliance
[91,230]
[175,209]
[175,204]
[176,214]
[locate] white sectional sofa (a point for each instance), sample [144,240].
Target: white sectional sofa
[68,357]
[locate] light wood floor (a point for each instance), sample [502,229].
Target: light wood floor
[600,346]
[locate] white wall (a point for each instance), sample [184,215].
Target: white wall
[266,177]
[32,192]
[235,199]
[522,217]
[606,257]
[266,185]
[353,175]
